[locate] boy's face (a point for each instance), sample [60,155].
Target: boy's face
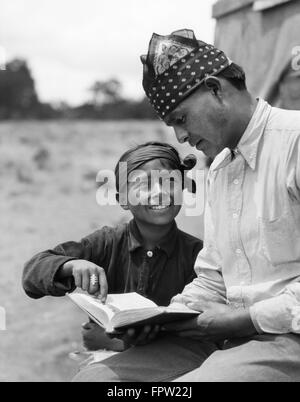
[155,193]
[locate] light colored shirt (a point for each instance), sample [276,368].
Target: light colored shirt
[251,254]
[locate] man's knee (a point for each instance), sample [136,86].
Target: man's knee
[257,360]
[218,369]
[96,373]
[223,371]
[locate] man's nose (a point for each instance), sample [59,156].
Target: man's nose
[181,134]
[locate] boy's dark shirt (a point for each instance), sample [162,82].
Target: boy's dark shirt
[128,266]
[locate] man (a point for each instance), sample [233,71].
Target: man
[247,288]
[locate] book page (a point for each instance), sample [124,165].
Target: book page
[128,301]
[109,310]
[94,307]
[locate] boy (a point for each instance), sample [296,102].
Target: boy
[148,255]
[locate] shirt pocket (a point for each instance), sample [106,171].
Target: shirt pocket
[279,239]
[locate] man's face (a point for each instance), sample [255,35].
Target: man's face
[201,119]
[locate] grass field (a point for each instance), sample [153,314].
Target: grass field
[48,188]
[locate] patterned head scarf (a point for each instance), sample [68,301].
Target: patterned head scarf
[175,66]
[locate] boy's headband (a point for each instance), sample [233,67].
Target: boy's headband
[140,156]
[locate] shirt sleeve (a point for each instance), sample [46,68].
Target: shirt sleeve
[280,314]
[40,272]
[209,285]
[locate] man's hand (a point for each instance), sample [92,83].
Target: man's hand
[87,276]
[138,337]
[216,322]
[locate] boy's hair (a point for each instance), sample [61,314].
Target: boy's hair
[137,156]
[235,75]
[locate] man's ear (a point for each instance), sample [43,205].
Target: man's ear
[214,85]
[125,207]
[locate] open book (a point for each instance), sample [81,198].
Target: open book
[122,311]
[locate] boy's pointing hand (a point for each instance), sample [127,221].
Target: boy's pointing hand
[87,276]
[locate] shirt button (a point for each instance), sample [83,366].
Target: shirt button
[238,251]
[236,181]
[150,254]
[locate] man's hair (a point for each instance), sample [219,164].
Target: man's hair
[235,75]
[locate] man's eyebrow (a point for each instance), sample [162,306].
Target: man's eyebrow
[171,118]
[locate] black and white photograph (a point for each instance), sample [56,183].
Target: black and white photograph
[150,193]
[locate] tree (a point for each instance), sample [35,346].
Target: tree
[18,97]
[106,92]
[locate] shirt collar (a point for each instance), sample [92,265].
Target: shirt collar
[221,160]
[167,244]
[249,142]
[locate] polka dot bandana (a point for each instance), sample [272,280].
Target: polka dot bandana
[175,66]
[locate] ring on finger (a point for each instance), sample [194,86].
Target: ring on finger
[94,280]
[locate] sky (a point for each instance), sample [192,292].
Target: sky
[69,44]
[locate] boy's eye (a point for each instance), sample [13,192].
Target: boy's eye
[144,185]
[171,180]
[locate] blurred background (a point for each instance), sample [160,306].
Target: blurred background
[71,102]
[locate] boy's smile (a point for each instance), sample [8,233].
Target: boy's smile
[159,207]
